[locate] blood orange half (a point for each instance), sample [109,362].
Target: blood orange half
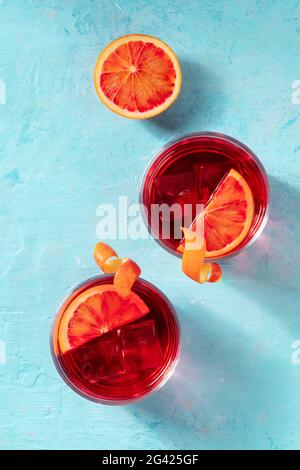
[227,216]
[96,311]
[137,76]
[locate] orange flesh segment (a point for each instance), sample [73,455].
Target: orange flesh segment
[193,264]
[138,76]
[227,216]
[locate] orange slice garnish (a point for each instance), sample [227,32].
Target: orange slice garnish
[137,76]
[102,308]
[96,311]
[227,217]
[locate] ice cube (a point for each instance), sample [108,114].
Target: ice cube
[189,203]
[180,192]
[168,187]
[208,176]
[141,346]
[100,359]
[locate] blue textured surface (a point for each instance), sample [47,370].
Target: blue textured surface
[62,153]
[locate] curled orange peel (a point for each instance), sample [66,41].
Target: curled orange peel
[125,269]
[193,264]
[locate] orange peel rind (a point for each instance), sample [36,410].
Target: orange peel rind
[102,255]
[125,276]
[193,264]
[125,269]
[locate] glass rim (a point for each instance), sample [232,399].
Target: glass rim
[107,401]
[156,156]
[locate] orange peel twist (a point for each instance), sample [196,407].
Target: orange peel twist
[193,264]
[125,269]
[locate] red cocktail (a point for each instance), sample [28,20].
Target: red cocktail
[189,172]
[128,361]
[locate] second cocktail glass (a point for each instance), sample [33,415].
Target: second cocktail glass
[187,171]
[111,350]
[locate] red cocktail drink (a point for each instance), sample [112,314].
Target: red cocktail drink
[125,363]
[187,171]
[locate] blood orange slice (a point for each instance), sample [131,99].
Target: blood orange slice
[227,216]
[137,76]
[96,311]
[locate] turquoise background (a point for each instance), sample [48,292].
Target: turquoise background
[62,154]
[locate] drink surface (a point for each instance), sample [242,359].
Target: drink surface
[188,171]
[127,362]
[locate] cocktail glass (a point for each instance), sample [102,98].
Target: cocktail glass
[187,170]
[127,363]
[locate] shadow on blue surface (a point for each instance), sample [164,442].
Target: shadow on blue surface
[275,255]
[197,102]
[183,405]
[237,356]
[197,402]
[269,270]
